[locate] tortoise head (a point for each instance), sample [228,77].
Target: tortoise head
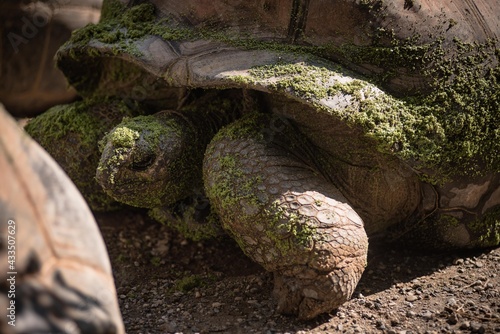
[144,162]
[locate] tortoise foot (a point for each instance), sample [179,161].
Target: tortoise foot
[312,292]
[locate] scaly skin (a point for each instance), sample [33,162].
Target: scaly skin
[285,215]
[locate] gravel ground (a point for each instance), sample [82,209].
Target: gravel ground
[167,284]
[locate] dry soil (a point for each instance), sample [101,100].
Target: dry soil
[167,284]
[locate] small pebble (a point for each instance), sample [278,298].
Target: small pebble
[380,325]
[427,315]
[410,314]
[452,302]
[394,322]
[411,298]
[477,328]
[452,319]
[465,325]
[216,305]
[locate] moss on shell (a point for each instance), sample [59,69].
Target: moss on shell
[450,134]
[452,130]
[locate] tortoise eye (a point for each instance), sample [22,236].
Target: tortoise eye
[144,163]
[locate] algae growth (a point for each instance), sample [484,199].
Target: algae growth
[452,131]
[124,137]
[486,229]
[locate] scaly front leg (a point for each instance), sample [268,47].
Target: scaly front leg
[260,177]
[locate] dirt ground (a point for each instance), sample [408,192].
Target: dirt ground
[167,284]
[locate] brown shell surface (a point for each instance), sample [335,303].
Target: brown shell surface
[336,24]
[61,267]
[345,30]
[349,21]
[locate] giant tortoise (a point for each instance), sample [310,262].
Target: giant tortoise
[56,275]
[312,127]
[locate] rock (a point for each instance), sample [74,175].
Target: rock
[465,325]
[411,298]
[217,305]
[427,315]
[452,319]
[452,303]
[477,328]
[410,314]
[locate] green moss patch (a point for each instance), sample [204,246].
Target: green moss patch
[231,188]
[124,137]
[452,131]
[152,128]
[288,232]
[187,281]
[487,229]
